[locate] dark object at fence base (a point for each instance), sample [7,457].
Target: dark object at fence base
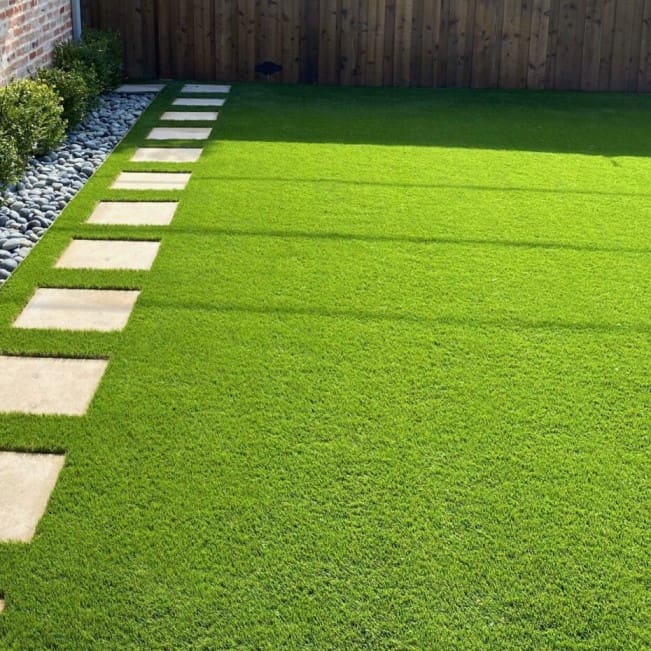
[268,68]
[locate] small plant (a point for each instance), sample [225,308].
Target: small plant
[31,111]
[11,163]
[72,88]
[99,51]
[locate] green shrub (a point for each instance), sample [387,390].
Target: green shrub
[31,112]
[99,51]
[11,162]
[72,88]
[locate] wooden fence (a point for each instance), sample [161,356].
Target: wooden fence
[564,44]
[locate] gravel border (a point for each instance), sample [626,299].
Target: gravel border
[30,207]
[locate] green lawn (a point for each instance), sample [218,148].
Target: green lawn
[387,386]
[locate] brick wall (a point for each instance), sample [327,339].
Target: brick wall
[29,29]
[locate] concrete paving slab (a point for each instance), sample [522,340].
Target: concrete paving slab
[134,213]
[26,483]
[190,116]
[140,88]
[180,133]
[103,310]
[199,101]
[151,181]
[48,386]
[206,88]
[109,254]
[166,155]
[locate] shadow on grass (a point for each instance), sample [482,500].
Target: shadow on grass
[367,316]
[429,186]
[606,124]
[408,239]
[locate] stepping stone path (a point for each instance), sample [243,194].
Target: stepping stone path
[190,116]
[198,101]
[26,482]
[151,181]
[109,254]
[140,88]
[166,155]
[65,387]
[134,213]
[179,133]
[205,88]
[48,386]
[104,310]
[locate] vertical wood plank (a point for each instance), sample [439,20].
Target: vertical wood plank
[538,44]
[620,47]
[510,44]
[466,69]
[570,37]
[591,46]
[368,59]
[310,37]
[525,41]
[224,11]
[200,53]
[389,42]
[362,42]
[416,54]
[401,63]
[487,37]
[429,41]
[607,41]
[635,43]
[378,37]
[552,44]
[327,40]
[246,33]
[644,76]
[288,41]
[164,38]
[444,32]
[456,44]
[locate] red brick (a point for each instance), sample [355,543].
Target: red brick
[33,27]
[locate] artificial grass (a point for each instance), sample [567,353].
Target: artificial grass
[386,386]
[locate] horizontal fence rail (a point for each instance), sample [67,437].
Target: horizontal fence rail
[561,44]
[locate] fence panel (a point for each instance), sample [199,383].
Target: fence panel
[564,44]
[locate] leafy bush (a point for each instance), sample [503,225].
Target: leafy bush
[97,51]
[31,112]
[72,88]
[11,162]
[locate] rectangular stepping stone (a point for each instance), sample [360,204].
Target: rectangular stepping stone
[48,386]
[151,181]
[134,213]
[166,155]
[140,88]
[199,101]
[26,483]
[190,116]
[109,254]
[103,310]
[179,133]
[206,88]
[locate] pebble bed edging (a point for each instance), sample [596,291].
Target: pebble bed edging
[30,207]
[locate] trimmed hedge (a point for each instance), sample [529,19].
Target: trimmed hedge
[31,112]
[71,87]
[99,51]
[34,113]
[11,163]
